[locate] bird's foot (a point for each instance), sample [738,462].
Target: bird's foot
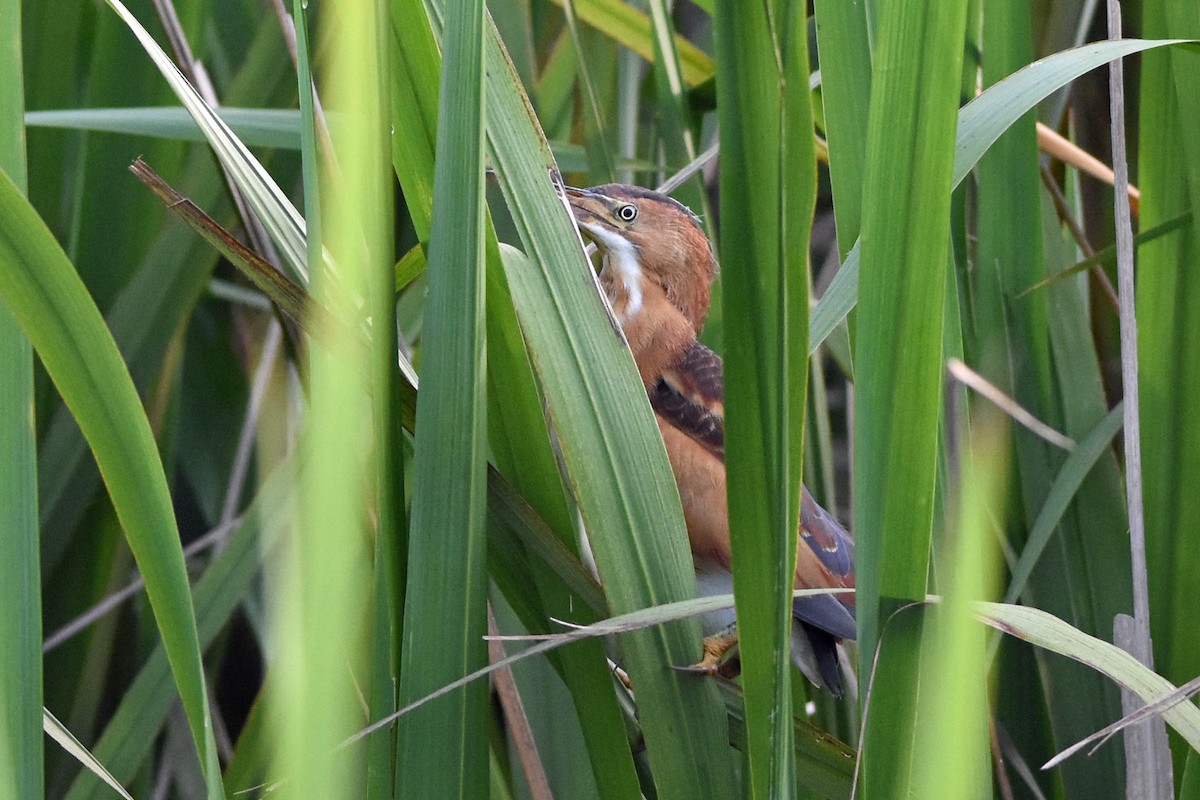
[715,649]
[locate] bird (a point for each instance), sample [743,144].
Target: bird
[657,269]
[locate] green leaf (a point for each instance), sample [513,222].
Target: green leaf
[1062,492]
[1047,631]
[898,361]
[1168,308]
[276,212]
[768,187]
[42,291]
[256,127]
[170,275]
[606,431]
[844,47]
[129,736]
[981,122]
[21,746]
[439,751]
[624,24]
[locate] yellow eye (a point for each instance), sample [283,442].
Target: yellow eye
[627,212]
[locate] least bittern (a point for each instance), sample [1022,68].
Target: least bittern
[657,272]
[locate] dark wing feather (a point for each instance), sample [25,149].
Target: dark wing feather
[828,560]
[824,647]
[690,394]
[828,539]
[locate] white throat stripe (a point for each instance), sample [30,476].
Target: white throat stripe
[623,257]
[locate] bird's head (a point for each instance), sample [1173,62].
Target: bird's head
[647,236]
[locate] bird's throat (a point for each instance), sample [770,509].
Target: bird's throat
[622,278]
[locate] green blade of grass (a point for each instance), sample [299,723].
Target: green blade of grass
[165,286]
[980,123]
[1168,307]
[1108,256]
[952,744]
[1189,788]
[323,610]
[439,751]
[276,212]
[768,187]
[369,162]
[625,25]
[43,292]
[130,734]
[612,451]
[256,127]
[898,365]
[1051,633]
[517,427]
[845,52]
[1072,580]
[21,596]
[1074,470]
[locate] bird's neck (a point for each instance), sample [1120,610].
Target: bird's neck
[624,282]
[657,331]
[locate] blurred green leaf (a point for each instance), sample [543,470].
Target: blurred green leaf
[626,25]
[899,360]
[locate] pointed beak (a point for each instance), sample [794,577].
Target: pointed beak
[587,206]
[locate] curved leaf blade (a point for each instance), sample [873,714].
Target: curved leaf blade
[980,123]
[42,291]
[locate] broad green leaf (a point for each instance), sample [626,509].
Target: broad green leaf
[768,187]
[624,24]
[520,443]
[41,290]
[981,122]
[844,48]
[899,359]
[1168,311]
[320,586]
[599,409]
[439,750]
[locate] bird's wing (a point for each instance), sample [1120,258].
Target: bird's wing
[690,396]
[826,562]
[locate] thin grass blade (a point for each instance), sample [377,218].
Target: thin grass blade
[21,596]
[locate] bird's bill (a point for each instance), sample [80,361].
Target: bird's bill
[590,207]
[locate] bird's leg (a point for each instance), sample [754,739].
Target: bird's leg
[715,648]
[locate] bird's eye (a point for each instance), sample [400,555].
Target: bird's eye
[627,212]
